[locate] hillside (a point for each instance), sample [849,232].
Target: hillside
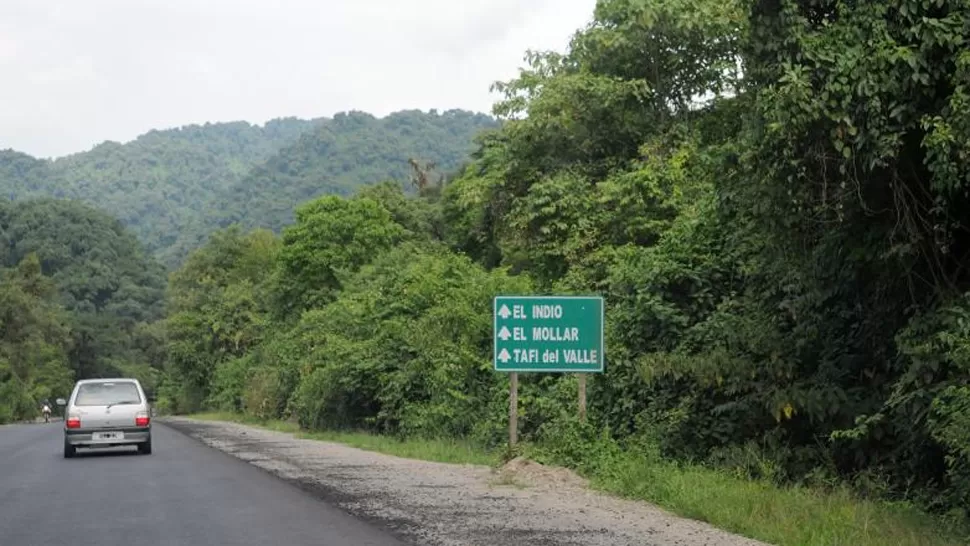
[159,184]
[78,296]
[348,151]
[172,187]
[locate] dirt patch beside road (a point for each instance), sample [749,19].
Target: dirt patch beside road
[440,504]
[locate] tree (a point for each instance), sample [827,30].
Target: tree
[332,238]
[218,305]
[34,342]
[100,272]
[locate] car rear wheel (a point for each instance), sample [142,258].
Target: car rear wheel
[145,448]
[69,450]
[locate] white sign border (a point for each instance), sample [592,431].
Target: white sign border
[602,363]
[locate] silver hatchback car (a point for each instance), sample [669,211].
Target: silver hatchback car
[105,413]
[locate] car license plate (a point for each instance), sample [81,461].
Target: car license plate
[107,436]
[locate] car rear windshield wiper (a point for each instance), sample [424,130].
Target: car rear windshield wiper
[122,403]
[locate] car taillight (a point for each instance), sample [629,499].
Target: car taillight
[73,421]
[142,419]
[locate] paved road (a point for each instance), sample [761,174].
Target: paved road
[183,494]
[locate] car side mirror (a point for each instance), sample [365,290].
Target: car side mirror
[61,402]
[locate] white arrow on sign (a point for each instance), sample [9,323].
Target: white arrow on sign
[504,312]
[504,333]
[504,356]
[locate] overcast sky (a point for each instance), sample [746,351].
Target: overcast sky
[74,73]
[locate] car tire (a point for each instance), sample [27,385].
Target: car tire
[145,448]
[69,450]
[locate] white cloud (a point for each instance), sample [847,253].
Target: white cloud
[75,73]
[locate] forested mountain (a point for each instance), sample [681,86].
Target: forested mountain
[348,151]
[79,297]
[173,187]
[160,185]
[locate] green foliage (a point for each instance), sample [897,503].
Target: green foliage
[349,151]
[34,342]
[162,185]
[756,508]
[98,272]
[78,299]
[172,188]
[421,218]
[405,346]
[331,239]
[855,209]
[218,306]
[782,250]
[637,66]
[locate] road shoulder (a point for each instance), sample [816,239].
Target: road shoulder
[448,504]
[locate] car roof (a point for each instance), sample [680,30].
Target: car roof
[108,380]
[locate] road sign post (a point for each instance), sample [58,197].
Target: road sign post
[551,334]
[513,409]
[582,397]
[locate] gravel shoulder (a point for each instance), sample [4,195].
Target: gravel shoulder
[439,504]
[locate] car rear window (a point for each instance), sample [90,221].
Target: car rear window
[102,394]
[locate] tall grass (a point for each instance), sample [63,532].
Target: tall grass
[787,516]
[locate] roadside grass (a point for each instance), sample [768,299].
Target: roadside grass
[442,451]
[789,516]
[757,509]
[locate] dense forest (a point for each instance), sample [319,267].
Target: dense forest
[351,150]
[173,187]
[161,185]
[771,209]
[79,297]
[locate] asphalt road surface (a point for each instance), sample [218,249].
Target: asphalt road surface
[183,494]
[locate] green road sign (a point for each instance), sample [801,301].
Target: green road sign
[548,334]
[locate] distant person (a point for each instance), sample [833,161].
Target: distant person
[47,412]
